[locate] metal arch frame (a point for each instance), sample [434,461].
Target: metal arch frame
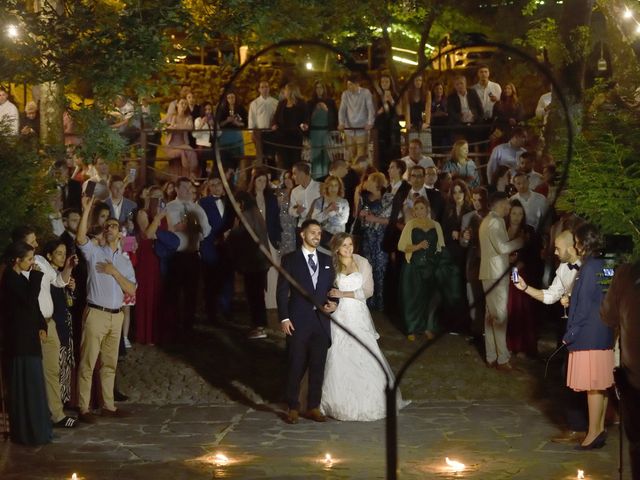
[391,386]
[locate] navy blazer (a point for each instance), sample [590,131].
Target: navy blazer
[454,108]
[128,206]
[585,329]
[210,245]
[291,304]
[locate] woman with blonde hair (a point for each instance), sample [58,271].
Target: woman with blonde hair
[331,209]
[354,383]
[177,146]
[427,273]
[461,166]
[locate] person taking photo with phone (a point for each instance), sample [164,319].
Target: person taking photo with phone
[110,276]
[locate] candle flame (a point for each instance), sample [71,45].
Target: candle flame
[220,460]
[455,466]
[328,461]
[580,474]
[74,476]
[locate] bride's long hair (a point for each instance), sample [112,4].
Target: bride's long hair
[335,244]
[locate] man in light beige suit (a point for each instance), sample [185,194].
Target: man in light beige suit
[495,248]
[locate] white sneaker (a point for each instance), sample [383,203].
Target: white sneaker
[127,343]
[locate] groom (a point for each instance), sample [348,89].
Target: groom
[308,331]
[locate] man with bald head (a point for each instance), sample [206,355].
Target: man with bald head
[566,273]
[560,288]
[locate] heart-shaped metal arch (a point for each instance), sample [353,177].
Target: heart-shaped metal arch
[349,63]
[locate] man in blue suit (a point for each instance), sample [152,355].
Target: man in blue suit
[121,208]
[216,264]
[308,331]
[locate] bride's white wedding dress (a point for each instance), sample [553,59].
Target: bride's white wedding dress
[354,383]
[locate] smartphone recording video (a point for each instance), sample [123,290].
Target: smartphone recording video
[90,188]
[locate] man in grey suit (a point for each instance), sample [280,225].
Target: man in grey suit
[495,248]
[119,206]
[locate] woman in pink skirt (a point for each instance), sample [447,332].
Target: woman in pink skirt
[588,339]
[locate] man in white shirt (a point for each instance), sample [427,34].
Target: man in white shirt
[525,165]
[261,111]
[51,345]
[507,153]
[176,209]
[566,273]
[488,91]
[306,191]
[495,248]
[559,290]
[416,157]
[534,204]
[184,265]
[9,115]
[356,112]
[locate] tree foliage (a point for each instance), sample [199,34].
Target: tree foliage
[24,186]
[108,46]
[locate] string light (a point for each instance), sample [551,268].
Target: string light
[629,16]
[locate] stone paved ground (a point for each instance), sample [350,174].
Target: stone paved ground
[218,392]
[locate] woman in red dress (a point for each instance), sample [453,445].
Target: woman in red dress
[521,308]
[148,219]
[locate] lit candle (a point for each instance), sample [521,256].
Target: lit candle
[74,477]
[220,460]
[455,466]
[580,474]
[328,461]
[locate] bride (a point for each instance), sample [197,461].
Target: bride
[354,384]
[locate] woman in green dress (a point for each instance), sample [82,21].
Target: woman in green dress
[323,117]
[428,273]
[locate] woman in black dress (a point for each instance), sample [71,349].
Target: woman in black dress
[25,328]
[289,123]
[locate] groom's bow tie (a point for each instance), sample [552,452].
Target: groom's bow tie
[573,266]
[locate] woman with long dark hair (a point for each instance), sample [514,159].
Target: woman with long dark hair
[25,328]
[507,113]
[55,252]
[439,115]
[232,119]
[267,205]
[387,121]
[522,310]
[323,117]
[588,339]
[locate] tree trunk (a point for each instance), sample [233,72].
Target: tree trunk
[51,110]
[51,93]
[573,29]
[424,36]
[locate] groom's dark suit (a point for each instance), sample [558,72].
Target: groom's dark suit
[308,345]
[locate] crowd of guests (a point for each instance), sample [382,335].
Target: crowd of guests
[129,260]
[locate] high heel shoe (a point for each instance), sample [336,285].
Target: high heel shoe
[597,442]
